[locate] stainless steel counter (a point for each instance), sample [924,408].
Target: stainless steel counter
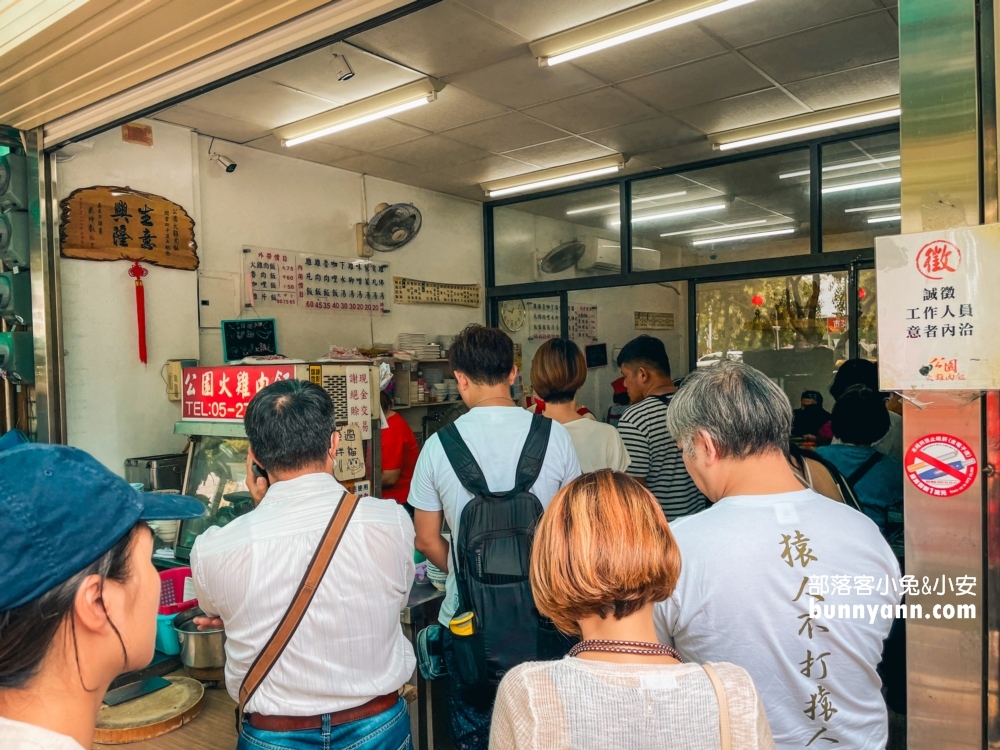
[422,610]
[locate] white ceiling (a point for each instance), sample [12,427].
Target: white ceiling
[501,115]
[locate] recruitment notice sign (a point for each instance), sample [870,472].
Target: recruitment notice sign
[939,309]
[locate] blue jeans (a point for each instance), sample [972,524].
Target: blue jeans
[389,730]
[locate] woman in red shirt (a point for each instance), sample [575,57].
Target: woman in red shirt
[399,454]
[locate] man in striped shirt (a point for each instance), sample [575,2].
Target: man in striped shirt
[656,459]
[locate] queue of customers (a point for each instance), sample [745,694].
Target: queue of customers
[589,602]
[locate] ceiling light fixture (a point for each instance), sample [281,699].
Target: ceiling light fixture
[844,165]
[883,219]
[738,237]
[625,26]
[717,228]
[815,122]
[386,104]
[879,207]
[556,176]
[671,214]
[605,206]
[861,185]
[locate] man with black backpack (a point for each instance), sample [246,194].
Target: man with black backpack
[490,475]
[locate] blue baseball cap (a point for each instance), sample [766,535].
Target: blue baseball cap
[60,510]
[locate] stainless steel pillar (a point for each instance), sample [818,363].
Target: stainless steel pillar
[941,164]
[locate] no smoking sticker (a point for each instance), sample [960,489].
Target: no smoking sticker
[941,465]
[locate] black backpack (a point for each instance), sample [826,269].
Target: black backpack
[491,556]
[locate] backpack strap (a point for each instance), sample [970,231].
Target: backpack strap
[536,445]
[462,461]
[846,489]
[867,466]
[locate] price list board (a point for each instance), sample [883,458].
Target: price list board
[272,276]
[583,323]
[327,284]
[416,292]
[543,320]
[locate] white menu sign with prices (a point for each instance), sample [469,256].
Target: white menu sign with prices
[327,284]
[271,274]
[359,388]
[939,310]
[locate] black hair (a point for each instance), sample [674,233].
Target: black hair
[645,351]
[484,355]
[289,424]
[385,401]
[814,395]
[860,416]
[855,372]
[27,631]
[621,399]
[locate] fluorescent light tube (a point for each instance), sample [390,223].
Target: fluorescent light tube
[605,206]
[814,122]
[717,228]
[738,237]
[861,185]
[626,26]
[836,167]
[856,209]
[386,104]
[556,176]
[672,214]
[882,219]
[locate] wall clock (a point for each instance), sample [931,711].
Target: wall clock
[513,314]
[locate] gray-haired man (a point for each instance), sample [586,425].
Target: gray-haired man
[766,570]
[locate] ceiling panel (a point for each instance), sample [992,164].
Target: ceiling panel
[741,111]
[557,153]
[452,109]
[849,86]
[645,135]
[488,169]
[592,110]
[697,83]
[441,40]
[519,82]
[758,22]
[682,154]
[315,74]
[212,124]
[534,20]
[374,136]
[655,52]
[379,166]
[839,46]
[434,151]
[506,133]
[318,151]
[262,102]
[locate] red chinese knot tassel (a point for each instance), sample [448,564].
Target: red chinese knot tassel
[137,272]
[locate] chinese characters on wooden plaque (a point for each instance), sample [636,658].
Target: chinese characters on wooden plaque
[112,223]
[654,321]
[414,292]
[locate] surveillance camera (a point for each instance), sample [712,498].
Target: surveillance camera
[343,68]
[225,162]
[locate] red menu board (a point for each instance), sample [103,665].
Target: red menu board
[222,393]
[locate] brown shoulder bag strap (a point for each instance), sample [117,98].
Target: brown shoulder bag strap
[300,602]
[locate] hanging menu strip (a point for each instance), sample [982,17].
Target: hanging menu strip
[328,284]
[414,292]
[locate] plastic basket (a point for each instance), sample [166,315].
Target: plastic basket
[172,591]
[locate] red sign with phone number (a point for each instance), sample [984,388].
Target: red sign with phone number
[222,393]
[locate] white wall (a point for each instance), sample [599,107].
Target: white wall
[116,407]
[286,203]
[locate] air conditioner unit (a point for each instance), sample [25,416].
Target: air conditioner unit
[605,255]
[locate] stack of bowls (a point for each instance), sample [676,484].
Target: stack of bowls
[436,576]
[440,391]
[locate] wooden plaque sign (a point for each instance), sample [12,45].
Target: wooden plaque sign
[113,223]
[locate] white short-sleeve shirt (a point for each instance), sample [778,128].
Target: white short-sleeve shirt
[495,436]
[598,445]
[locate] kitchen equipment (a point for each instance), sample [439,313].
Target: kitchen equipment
[166,637]
[135,690]
[172,598]
[151,715]
[200,649]
[164,472]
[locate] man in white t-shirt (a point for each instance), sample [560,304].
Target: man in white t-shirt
[797,589]
[495,431]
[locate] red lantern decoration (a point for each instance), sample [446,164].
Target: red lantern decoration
[757,300]
[862,293]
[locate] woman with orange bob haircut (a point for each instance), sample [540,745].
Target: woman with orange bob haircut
[603,555]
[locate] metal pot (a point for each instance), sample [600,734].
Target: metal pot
[200,649]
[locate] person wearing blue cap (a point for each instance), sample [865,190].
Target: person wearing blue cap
[78,590]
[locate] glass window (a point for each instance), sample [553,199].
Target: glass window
[794,328]
[860,191]
[867,315]
[562,237]
[529,322]
[747,210]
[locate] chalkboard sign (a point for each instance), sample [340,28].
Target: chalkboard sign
[249,337]
[597,356]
